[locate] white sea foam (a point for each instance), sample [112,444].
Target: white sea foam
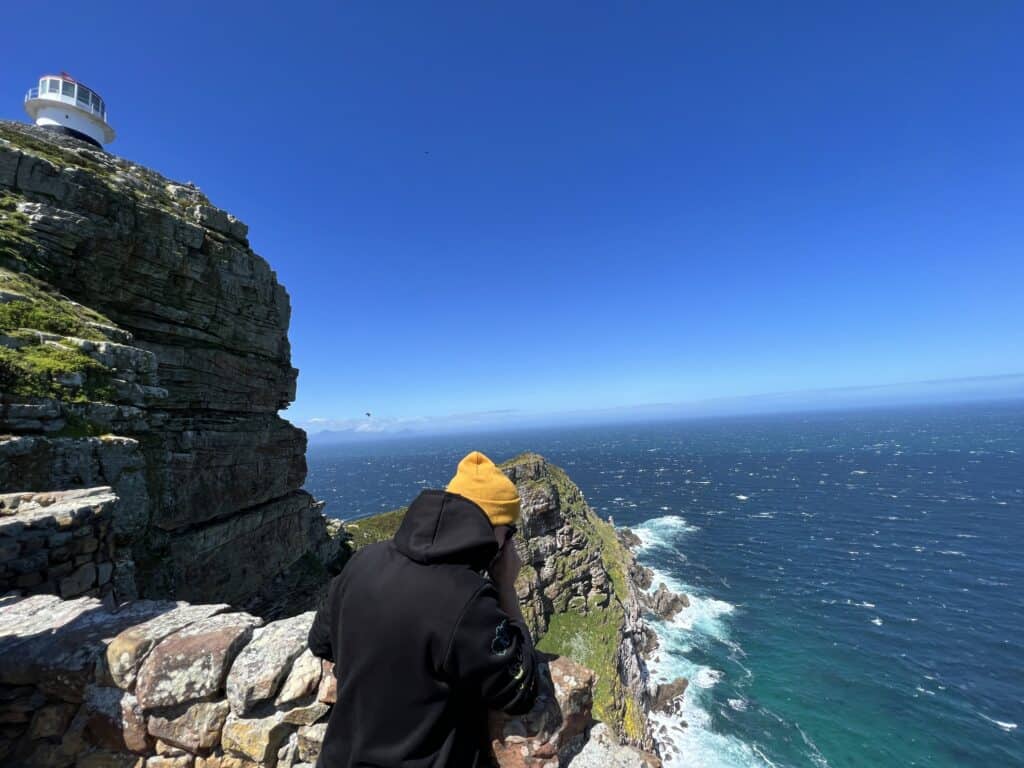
[741,497]
[705,615]
[876,621]
[687,740]
[662,531]
[1008,727]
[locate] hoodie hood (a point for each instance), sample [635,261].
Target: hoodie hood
[442,527]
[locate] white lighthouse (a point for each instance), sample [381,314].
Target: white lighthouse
[62,103]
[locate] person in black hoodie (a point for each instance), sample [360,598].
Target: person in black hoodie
[426,633]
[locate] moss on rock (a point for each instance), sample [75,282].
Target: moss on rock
[53,370]
[31,304]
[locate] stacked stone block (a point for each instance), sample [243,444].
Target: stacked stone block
[57,543]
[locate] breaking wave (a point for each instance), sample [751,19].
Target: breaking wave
[687,737]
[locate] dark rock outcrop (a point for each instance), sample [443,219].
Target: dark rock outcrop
[664,603]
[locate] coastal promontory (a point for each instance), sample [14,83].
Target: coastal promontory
[159,559]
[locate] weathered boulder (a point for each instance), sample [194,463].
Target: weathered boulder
[665,603]
[667,695]
[54,644]
[128,650]
[170,761]
[220,760]
[193,662]
[602,750]
[51,721]
[258,671]
[328,692]
[114,720]
[310,741]
[197,728]
[302,681]
[257,739]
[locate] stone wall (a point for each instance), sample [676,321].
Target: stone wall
[59,543]
[159,684]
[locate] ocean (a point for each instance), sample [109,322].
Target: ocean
[856,579]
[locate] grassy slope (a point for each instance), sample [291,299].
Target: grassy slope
[30,366]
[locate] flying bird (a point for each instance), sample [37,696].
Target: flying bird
[368,414]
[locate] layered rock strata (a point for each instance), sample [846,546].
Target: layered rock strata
[143,347]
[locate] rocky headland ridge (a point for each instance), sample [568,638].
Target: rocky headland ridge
[159,560]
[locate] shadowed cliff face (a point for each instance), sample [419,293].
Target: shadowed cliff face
[132,307]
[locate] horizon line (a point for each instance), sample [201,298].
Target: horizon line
[771,402]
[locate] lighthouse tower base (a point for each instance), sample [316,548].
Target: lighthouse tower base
[63,129]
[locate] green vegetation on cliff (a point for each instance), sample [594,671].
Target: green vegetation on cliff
[34,361]
[382,527]
[591,634]
[29,303]
[53,370]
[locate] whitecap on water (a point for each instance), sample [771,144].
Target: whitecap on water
[705,615]
[686,737]
[741,497]
[662,531]
[688,741]
[1008,727]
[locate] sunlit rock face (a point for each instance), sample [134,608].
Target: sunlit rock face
[144,349]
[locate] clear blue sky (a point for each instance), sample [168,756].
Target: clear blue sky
[551,206]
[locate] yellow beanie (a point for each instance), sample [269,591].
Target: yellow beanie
[483,483]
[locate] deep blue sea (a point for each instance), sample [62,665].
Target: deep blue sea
[857,579]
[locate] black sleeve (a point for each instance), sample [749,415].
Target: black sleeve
[492,655]
[320,632]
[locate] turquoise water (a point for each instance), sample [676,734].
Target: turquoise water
[856,579]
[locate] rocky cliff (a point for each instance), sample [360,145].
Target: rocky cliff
[143,359]
[578,589]
[143,348]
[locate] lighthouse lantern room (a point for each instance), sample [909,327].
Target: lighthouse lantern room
[62,103]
